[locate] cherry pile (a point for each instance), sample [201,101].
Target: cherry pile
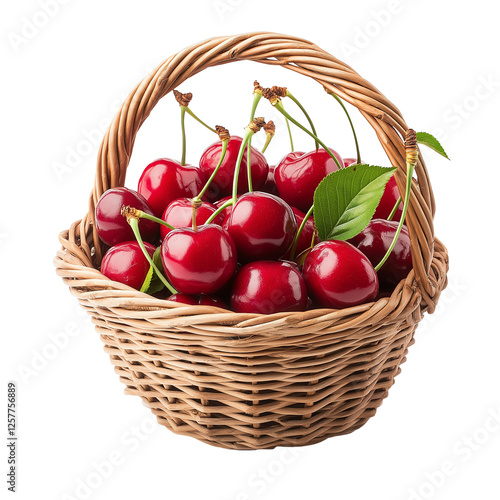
[236,233]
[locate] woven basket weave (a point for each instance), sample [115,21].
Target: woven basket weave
[250,381]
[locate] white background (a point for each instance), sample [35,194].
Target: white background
[65,73]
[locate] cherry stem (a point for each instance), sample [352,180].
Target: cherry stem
[299,232]
[143,215]
[249,164]
[411,161]
[289,133]
[339,100]
[188,110]
[393,211]
[256,98]
[228,203]
[134,224]
[214,173]
[295,100]
[279,106]
[268,140]
[246,137]
[183,129]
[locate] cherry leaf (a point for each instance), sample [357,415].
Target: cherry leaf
[345,200]
[431,142]
[152,283]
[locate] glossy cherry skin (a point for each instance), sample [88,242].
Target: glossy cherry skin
[387,202]
[349,161]
[339,275]
[222,183]
[375,240]
[194,300]
[227,211]
[267,287]
[297,177]
[262,226]
[112,226]
[126,263]
[270,186]
[165,180]
[179,213]
[306,235]
[199,262]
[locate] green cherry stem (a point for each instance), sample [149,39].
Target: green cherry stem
[254,126]
[134,224]
[214,173]
[339,100]
[143,215]
[183,130]
[228,203]
[269,129]
[299,232]
[189,112]
[257,96]
[289,133]
[279,106]
[296,101]
[393,211]
[411,161]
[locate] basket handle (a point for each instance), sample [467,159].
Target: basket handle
[294,54]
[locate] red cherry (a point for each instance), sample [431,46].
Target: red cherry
[349,161]
[267,287]
[126,263]
[297,177]
[375,240]
[179,213]
[387,202]
[112,226]
[223,181]
[200,261]
[165,180]
[338,275]
[193,300]
[270,186]
[262,226]
[306,235]
[227,211]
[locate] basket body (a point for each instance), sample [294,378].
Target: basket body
[249,381]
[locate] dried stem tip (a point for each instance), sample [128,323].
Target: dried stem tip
[223,133]
[257,89]
[279,91]
[130,212]
[256,124]
[196,203]
[411,147]
[270,95]
[183,99]
[270,128]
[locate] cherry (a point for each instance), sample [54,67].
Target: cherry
[268,287]
[222,183]
[112,227]
[126,263]
[375,240]
[262,226]
[199,261]
[349,161]
[179,213]
[387,202]
[227,211]
[339,275]
[165,180]
[306,236]
[194,300]
[270,186]
[297,177]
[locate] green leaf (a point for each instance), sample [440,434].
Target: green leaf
[345,200]
[431,142]
[152,283]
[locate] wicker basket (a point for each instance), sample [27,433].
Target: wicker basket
[250,381]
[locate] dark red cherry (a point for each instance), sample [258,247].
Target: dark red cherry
[306,236]
[270,186]
[375,240]
[262,226]
[339,275]
[112,226]
[165,180]
[387,202]
[297,177]
[126,263]
[267,287]
[222,183]
[193,300]
[200,261]
[179,213]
